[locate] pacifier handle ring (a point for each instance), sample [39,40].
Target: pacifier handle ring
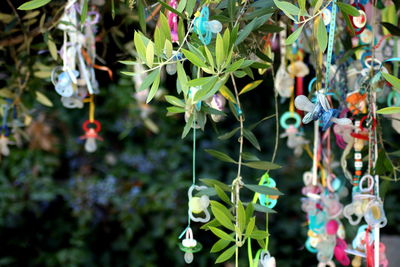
[189,234]
[290,115]
[363,180]
[363,120]
[85,125]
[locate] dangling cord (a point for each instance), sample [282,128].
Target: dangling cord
[193,168]
[332,28]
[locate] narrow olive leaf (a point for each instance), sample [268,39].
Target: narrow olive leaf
[389,110]
[150,54]
[128,62]
[322,35]
[173,10]
[241,216]
[168,48]
[181,31]
[235,65]
[254,24]
[212,223]
[348,9]
[219,155]
[84,12]
[199,81]
[210,57]
[112,9]
[302,4]
[193,58]
[213,182]
[262,165]
[154,87]
[219,245]
[222,215]
[349,24]
[265,190]
[394,81]
[52,47]
[139,45]
[33,4]
[250,226]
[175,101]
[187,127]
[261,243]
[261,208]
[219,51]
[164,26]
[249,211]
[174,110]
[249,157]
[294,36]
[250,86]
[221,194]
[258,234]
[181,6]
[288,8]
[212,111]
[149,80]
[254,125]
[221,234]
[183,80]
[228,134]
[142,15]
[207,192]
[251,138]
[190,7]
[394,30]
[226,255]
[42,99]
[225,92]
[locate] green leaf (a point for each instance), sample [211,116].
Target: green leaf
[221,194]
[168,48]
[226,255]
[241,216]
[189,7]
[250,86]
[43,99]
[249,211]
[265,190]
[149,80]
[262,165]
[164,26]
[181,6]
[261,208]
[182,78]
[210,57]
[322,35]
[142,15]
[219,51]
[222,214]
[193,58]
[52,47]
[227,94]
[175,110]
[228,134]
[200,81]
[221,234]
[220,245]
[150,54]
[139,45]
[254,24]
[258,234]
[213,182]
[302,4]
[394,30]
[84,12]
[270,28]
[251,138]
[227,40]
[254,125]
[212,223]
[250,226]
[348,9]
[389,110]
[219,155]
[173,10]
[294,36]
[394,81]
[235,65]
[174,101]
[154,87]
[288,8]
[33,4]
[250,157]
[187,127]
[181,31]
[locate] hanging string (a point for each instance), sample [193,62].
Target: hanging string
[332,28]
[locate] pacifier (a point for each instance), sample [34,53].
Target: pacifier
[325,248]
[354,211]
[359,242]
[189,245]
[217,102]
[205,28]
[198,204]
[63,83]
[91,128]
[375,214]
[298,69]
[284,83]
[72,102]
[267,200]
[266,260]
[340,253]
